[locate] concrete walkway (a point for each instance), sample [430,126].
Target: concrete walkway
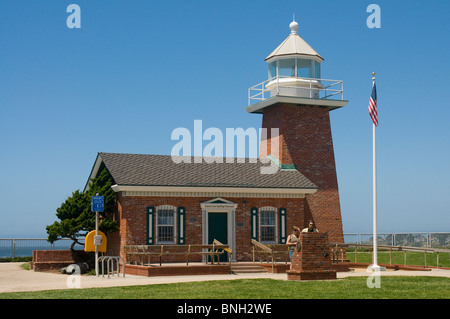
[13,278]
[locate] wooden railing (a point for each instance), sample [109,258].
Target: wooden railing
[141,253]
[271,251]
[227,249]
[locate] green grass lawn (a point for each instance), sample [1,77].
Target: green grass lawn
[350,288]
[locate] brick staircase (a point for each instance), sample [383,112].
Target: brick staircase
[246,268]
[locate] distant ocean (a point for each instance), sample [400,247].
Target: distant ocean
[24,247]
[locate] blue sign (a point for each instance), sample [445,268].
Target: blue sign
[98,203]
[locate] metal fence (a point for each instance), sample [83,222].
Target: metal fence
[23,247]
[423,240]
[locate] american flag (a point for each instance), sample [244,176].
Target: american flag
[373,105]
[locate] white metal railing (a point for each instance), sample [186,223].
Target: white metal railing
[23,247]
[337,249]
[417,239]
[323,87]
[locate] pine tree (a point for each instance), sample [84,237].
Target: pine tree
[76,217]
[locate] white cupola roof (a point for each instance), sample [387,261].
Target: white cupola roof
[294,45]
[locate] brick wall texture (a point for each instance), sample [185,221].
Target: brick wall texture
[305,141]
[43,260]
[132,214]
[313,262]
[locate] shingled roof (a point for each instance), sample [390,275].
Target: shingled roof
[160,170]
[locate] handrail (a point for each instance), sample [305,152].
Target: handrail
[258,91]
[184,249]
[264,248]
[430,239]
[228,250]
[390,248]
[400,248]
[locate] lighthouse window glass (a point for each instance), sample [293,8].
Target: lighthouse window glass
[287,67]
[317,70]
[272,69]
[304,69]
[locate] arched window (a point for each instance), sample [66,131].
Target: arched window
[268,225]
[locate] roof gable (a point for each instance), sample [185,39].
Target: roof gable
[218,200]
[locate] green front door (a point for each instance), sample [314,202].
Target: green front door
[218,229]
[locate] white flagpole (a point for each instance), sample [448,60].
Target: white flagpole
[375,266]
[375,244]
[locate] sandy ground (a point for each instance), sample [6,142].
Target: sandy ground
[13,278]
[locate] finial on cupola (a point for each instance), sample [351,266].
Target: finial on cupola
[293,26]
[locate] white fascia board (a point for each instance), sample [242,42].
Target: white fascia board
[331,104]
[186,189]
[296,55]
[94,172]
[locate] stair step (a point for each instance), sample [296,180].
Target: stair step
[249,268]
[248,271]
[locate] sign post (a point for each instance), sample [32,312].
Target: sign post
[97,205]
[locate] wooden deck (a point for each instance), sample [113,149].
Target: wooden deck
[199,268]
[177,269]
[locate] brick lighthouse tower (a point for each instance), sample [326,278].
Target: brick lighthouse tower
[297,101]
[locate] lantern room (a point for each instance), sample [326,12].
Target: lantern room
[295,76]
[294,67]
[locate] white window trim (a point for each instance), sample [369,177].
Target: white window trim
[268,208]
[175,218]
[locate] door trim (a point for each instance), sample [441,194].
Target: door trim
[220,205]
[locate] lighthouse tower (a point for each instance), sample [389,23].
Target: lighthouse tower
[296,100]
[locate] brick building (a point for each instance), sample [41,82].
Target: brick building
[163,202]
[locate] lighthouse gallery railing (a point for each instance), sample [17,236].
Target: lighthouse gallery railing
[324,87]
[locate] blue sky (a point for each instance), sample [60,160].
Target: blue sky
[136,70]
